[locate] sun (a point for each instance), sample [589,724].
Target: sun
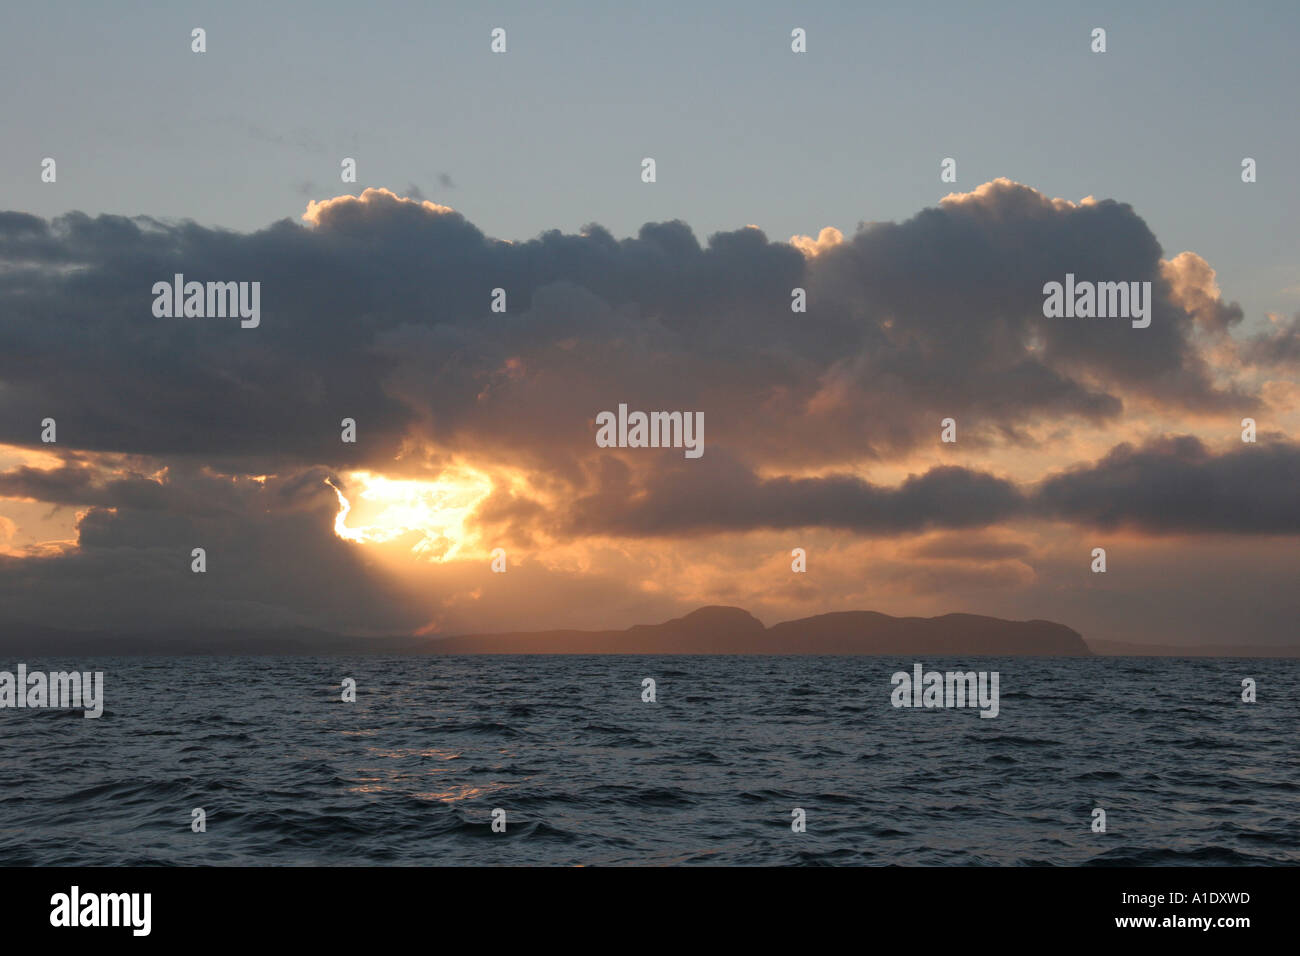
[433,513]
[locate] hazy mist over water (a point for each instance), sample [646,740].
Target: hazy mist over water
[589,774]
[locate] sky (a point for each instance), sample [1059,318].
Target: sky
[774,170]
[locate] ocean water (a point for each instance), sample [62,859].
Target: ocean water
[587,773]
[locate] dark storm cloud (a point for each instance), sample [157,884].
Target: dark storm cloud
[1167,486]
[717,494]
[963,284]
[81,483]
[1177,485]
[381,313]
[79,344]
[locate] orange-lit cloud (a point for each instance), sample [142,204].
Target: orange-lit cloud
[347,205]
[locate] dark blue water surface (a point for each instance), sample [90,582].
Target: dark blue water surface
[589,774]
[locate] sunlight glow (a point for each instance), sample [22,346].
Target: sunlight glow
[435,511]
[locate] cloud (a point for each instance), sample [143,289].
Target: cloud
[1277,346]
[1176,485]
[723,496]
[1169,485]
[1194,288]
[962,547]
[378,307]
[827,239]
[380,311]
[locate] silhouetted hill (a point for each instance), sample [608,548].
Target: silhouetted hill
[848,632]
[731,630]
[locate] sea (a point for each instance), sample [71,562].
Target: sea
[576,767]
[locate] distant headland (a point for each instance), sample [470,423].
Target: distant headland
[708,630]
[732,630]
